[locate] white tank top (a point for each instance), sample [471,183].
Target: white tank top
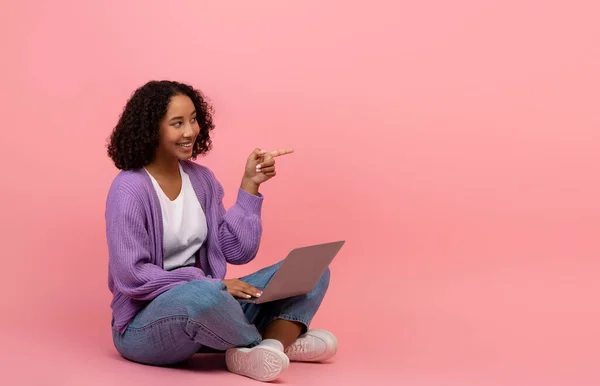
[184,224]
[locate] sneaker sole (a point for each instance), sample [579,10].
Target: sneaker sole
[260,363]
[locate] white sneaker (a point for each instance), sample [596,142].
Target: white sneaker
[314,346]
[262,362]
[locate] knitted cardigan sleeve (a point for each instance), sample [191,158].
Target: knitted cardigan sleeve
[240,227]
[134,274]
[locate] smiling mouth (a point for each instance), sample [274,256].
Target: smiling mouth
[185,145]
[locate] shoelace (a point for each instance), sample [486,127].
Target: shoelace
[300,346]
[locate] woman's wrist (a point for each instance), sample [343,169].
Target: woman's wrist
[249,186]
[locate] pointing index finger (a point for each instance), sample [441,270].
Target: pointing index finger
[280,152]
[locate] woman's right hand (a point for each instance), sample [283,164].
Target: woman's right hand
[240,289]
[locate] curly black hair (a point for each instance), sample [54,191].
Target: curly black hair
[134,140]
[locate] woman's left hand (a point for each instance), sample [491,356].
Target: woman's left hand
[260,166]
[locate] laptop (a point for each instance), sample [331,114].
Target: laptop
[299,273]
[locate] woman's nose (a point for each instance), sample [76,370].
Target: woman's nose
[189,130]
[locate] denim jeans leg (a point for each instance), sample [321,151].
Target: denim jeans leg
[301,308]
[177,323]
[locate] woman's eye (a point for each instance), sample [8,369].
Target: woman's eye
[193,120]
[177,124]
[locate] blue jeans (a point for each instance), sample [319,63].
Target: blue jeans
[202,316]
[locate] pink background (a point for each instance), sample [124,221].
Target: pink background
[453,144]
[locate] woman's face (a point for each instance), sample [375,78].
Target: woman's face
[178,129]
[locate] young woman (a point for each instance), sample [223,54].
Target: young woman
[170,239]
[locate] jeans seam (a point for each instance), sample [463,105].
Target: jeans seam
[179,317]
[209,332]
[156,322]
[292,319]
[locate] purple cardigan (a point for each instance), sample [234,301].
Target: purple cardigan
[134,232]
